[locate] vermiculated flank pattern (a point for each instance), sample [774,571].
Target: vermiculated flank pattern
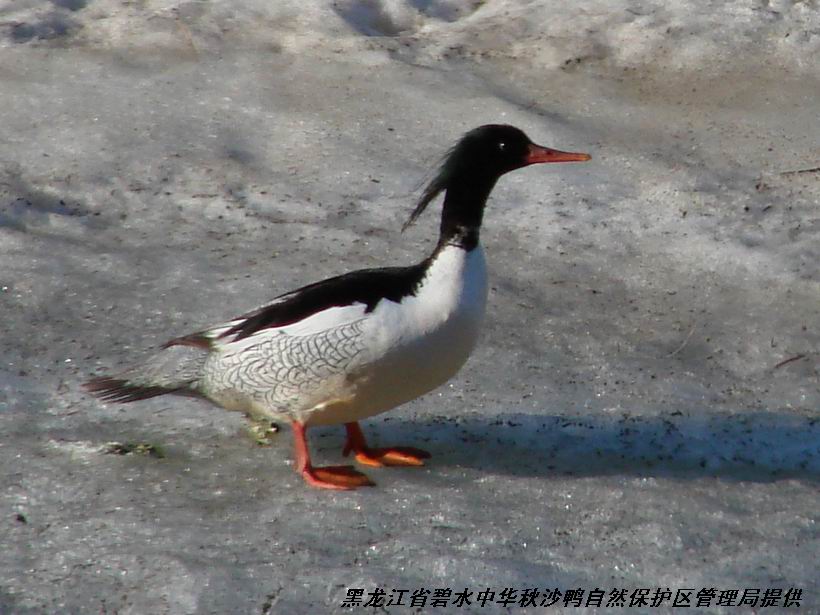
[280,368]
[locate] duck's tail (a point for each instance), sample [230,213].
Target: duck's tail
[177,368]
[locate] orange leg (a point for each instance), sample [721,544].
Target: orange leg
[394,456]
[328,477]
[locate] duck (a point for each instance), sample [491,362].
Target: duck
[350,347]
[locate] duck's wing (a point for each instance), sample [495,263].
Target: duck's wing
[315,307]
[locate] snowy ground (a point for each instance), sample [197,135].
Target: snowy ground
[643,410]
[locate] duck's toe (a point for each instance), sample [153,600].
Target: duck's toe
[393,456]
[378,457]
[336,477]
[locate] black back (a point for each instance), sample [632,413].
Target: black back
[367,286]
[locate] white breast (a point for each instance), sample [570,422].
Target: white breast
[416,345]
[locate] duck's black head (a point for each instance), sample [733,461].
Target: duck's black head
[471,168]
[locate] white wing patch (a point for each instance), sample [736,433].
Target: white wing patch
[315,324]
[330,318]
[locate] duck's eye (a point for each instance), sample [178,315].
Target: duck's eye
[502,146]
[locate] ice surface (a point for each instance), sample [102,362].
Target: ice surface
[632,417]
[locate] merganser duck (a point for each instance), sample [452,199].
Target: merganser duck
[353,346]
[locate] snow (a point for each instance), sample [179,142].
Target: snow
[642,410]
